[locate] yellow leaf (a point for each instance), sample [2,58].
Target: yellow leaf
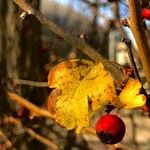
[130,96]
[80,87]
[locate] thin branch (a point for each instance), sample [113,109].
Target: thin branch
[131,57]
[31,83]
[133,64]
[72,39]
[137,29]
[42,139]
[8,119]
[33,108]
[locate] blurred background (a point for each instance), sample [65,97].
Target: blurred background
[28,51]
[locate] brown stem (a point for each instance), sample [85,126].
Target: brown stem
[137,29]
[131,58]
[31,83]
[42,139]
[33,108]
[11,120]
[72,39]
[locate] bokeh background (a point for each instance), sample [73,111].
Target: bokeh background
[28,51]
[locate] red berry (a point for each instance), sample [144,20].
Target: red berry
[146,13]
[110,129]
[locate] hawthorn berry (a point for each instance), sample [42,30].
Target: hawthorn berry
[110,129]
[146,13]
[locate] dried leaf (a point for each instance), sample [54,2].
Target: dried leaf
[130,96]
[81,86]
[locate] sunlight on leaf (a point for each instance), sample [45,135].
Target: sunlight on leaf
[130,96]
[80,87]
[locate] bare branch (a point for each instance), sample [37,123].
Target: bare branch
[8,119]
[24,6]
[42,139]
[33,108]
[31,83]
[72,39]
[131,58]
[137,29]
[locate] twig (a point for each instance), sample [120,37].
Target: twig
[131,58]
[31,83]
[133,64]
[72,39]
[137,29]
[8,119]
[33,108]
[42,139]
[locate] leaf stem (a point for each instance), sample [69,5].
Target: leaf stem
[131,57]
[133,64]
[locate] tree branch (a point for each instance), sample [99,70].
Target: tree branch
[33,108]
[137,29]
[131,58]
[42,139]
[31,83]
[11,120]
[72,39]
